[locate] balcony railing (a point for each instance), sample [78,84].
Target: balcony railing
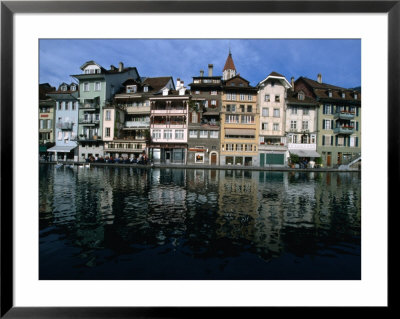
[89,120]
[89,105]
[344,115]
[137,124]
[170,111]
[89,137]
[343,130]
[65,125]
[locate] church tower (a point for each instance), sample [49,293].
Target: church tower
[229,70]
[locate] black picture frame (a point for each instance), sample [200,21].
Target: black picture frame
[9,8]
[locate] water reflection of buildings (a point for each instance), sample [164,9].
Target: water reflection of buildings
[237,204]
[167,209]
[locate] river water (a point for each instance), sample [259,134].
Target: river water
[124,223]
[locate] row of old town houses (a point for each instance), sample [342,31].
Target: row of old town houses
[221,120]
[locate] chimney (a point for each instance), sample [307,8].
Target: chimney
[319,78]
[201,73]
[178,83]
[121,66]
[210,69]
[112,67]
[292,83]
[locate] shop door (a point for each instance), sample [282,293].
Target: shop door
[328,160]
[213,159]
[168,157]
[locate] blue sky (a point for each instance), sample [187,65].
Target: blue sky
[339,61]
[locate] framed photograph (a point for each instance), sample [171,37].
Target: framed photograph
[142,238]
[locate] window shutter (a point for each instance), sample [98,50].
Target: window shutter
[331,124]
[323,139]
[336,140]
[323,124]
[332,140]
[357,111]
[356,141]
[357,126]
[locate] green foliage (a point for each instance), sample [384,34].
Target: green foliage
[318,160]
[294,158]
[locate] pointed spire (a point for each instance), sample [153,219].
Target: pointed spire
[229,65]
[229,70]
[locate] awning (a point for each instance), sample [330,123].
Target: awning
[305,153]
[239,132]
[61,149]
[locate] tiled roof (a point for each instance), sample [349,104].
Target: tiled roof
[322,90]
[292,98]
[229,65]
[157,83]
[273,73]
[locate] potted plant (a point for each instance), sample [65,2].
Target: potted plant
[294,159]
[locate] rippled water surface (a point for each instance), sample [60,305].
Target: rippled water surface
[137,223]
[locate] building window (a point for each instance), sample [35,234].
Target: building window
[156,134]
[231,108]
[249,97]
[305,125]
[64,88]
[203,134]
[301,96]
[248,147]
[306,111]
[197,92]
[193,133]
[145,89]
[242,97]
[199,157]
[293,125]
[276,113]
[73,88]
[277,98]
[229,147]
[168,134]
[86,87]
[294,110]
[267,98]
[232,119]
[194,117]
[265,111]
[97,86]
[330,94]
[179,134]
[214,102]
[276,127]
[131,88]
[249,108]
[264,126]
[213,93]
[247,119]
[213,134]
[326,125]
[327,109]
[62,105]
[108,115]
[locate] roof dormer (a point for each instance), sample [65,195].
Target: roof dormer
[329,93]
[300,95]
[91,67]
[165,91]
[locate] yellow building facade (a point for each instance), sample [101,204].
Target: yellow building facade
[239,123]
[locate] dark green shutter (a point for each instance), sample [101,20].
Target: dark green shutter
[323,139]
[277,159]
[262,159]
